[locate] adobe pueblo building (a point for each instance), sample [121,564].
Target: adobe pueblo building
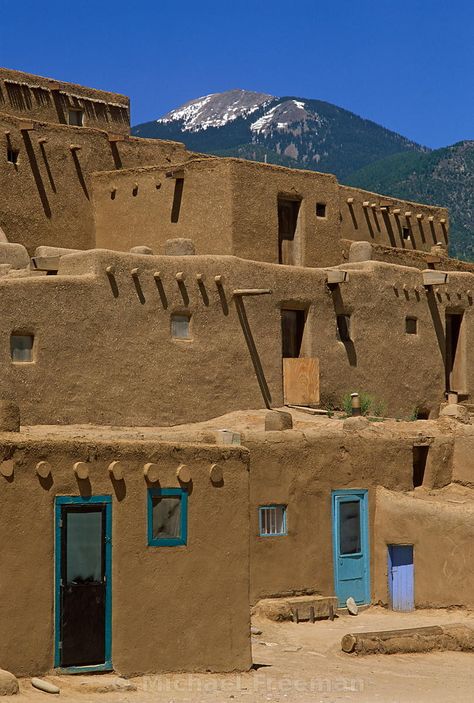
[160,308]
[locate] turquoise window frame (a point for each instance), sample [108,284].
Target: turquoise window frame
[180,541]
[262,509]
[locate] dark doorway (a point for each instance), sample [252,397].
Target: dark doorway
[288,211]
[292,330]
[454,352]
[420,455]
[84,582]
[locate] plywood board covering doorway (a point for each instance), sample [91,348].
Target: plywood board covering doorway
[301,381]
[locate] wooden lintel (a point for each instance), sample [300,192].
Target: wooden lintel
[252,291]
[337,276]
[115,138]
[175,174]
[45,263]
[26,126]
[434,278]
[432,259]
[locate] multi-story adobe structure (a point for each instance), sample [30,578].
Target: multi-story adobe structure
[148,288]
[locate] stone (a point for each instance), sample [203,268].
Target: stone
[15,255]
[45,686]
[9,416]
[353,424]
[360,251]
[352,606]
[180,247]
[457,412]
[278,420]
[142,250]
[255,631]
[3,236]
[8,683]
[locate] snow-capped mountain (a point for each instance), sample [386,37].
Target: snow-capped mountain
[291,131]
[216,109]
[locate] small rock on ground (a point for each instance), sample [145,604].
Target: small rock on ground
[8,683]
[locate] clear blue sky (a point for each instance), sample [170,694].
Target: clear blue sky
[407,64]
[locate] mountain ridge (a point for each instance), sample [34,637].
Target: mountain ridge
[316,135]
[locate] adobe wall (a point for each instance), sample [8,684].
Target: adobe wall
[104,351]
[173,608]
[256,188]
[230,206]
[442,534]
[381,220]
[46,197]
[49,100]
[144,206]
[300,469]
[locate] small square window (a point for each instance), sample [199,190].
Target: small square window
[167,517]
[343,328]
[406,233]
[21,348]
[272,520]
[411,325]
[76,118]
[320,209]
[12,155]
[180,327]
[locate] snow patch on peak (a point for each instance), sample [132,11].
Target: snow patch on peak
[284,114]
[216,109]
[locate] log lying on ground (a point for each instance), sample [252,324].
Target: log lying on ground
[456,638]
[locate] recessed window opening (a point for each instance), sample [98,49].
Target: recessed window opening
[320,209]
[167,517]
[411,325]
[76,118]
[21,348]
[420,455]
[406,233]
[272,520]
[343,328]
[180,326]
[12,155]
[292,331]
[288,212]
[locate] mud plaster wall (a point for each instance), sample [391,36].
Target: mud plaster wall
[173,608]
[385,227]
[46,197]
[256,189]
[104,352]
[230,206]
[442,534]
[301,469]
[33,97]
[143,206]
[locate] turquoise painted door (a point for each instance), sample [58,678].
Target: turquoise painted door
[351,546]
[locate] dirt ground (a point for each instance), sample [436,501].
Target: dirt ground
[300,662]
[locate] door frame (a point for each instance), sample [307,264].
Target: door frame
[363,495]
[60,502]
